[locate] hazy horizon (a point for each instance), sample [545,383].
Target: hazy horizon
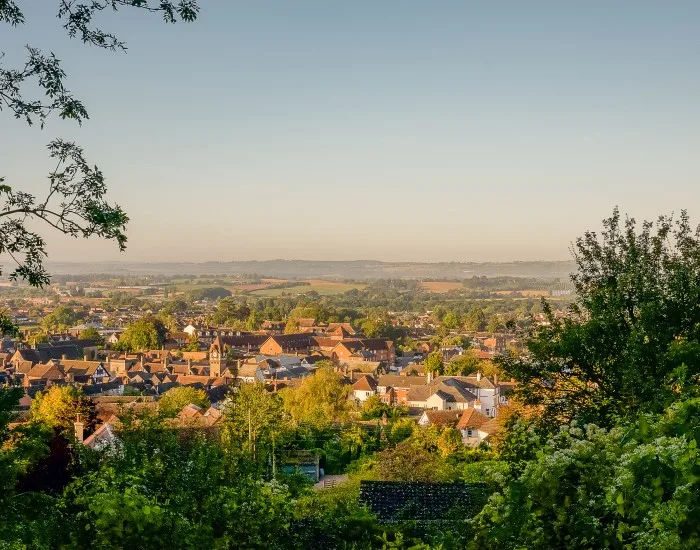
[324,269]
[411,132]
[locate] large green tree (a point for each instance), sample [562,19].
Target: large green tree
[475,320]
[631,340]
[230,313]
[60,407]
[463,365]
[434,363]
[256,420]
[92,335]
[320,399]
[144,334]
[59,320]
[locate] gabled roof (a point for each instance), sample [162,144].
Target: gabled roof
[342,332]
[457,392]
[397,381]
[366,383]
[44,354]
[465,381]
[346,328]
[419,393]
[45,372]
[324,342]
[442,395]
[376,344]
[217,346]
[80,368]
[471,418]
[103,435]
[190,411]
[243,341]
[442,418]
[191,380]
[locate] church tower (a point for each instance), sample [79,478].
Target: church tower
[217,358]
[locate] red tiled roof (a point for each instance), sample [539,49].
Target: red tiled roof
[366,383]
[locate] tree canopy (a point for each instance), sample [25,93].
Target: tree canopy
[144,334]
[92,334]
[631,340]
[60,407]
[175,399]
[434,363]
[59,320]
[320,399]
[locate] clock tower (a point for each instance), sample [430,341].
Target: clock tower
[217,359]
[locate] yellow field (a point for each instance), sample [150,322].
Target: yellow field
[526,293]
[324,288]
[440,286]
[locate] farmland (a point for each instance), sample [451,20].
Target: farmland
[324,288]
[440,287]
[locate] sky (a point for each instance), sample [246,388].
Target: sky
[396,130]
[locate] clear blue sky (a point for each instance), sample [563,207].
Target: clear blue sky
[397,130]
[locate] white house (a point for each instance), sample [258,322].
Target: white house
[364,387]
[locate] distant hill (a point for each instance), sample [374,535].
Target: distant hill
[300,269]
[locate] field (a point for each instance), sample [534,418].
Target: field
[440,287]
[324,288]
[526,293]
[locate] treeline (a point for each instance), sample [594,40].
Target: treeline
[599,448]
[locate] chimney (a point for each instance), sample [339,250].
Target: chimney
[478,375]
[79,427]
[495,379]
[165,361]
[85,357]
[64,357]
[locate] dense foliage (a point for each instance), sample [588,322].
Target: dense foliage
[600,450]
[144,334]
[631,341]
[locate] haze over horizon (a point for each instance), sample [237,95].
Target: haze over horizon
[419,132]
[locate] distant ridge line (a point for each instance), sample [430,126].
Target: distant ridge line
[337,269]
